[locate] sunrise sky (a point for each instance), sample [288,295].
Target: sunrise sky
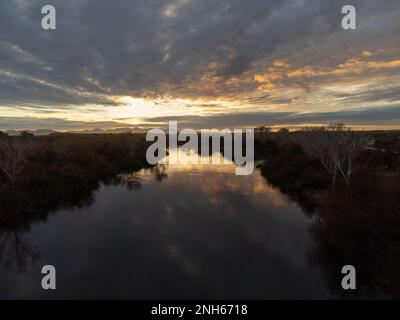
[205,63]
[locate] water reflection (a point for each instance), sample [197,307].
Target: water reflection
[16,251]
[173,231]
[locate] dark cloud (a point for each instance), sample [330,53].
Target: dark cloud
[370,116]
[153,48]
[391,94]
[367,117]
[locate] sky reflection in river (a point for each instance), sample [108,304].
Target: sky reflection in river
[182,231]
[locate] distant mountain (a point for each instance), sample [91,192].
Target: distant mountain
[115,131]
[39,132]
[44,132]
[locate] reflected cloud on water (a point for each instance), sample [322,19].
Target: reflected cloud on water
[187,231]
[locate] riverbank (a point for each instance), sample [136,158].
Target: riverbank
[358,223]
[47,172]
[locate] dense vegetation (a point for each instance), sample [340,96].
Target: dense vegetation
[39,173]
[356,223]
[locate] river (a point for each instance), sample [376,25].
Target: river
[170,232]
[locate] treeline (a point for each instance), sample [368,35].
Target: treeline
[39,173]
[356,221]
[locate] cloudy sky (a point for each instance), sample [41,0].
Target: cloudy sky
[205,63]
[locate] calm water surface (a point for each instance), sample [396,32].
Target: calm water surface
[193,231]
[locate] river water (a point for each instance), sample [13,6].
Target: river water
[171,232]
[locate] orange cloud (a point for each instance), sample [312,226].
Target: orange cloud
[281,64]
[351,66]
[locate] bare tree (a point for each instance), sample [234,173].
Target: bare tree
[16,251]
[13,156]
[263,129]
[316,144]
[335,146]
[282,138]
[353,144]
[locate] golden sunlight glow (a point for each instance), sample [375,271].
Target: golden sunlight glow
[170,10]
[269,86]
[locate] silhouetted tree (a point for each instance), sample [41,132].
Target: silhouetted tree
[334,146]
[13,156]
